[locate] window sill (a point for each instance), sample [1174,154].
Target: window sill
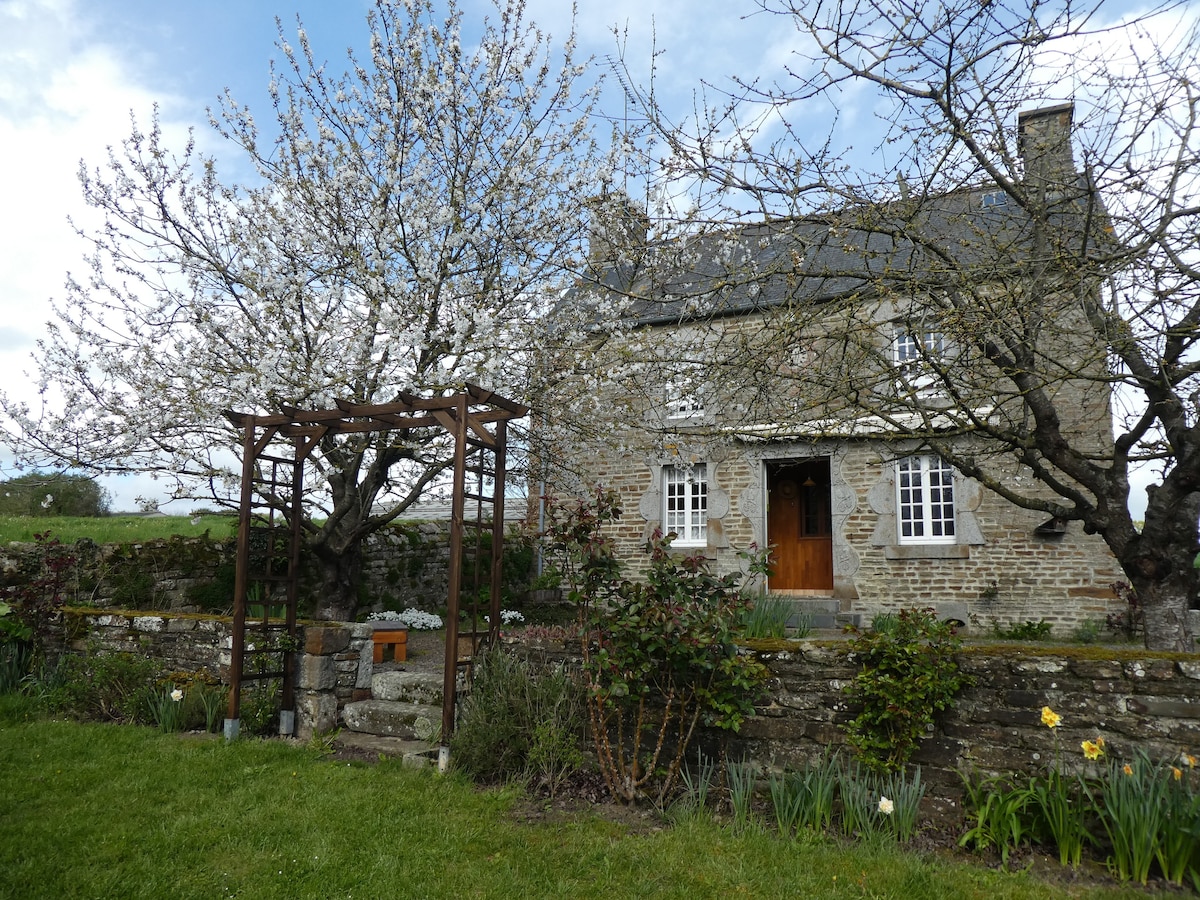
[927,551]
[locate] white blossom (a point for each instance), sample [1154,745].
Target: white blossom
[397,237]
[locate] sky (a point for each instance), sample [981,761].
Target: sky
[73,71]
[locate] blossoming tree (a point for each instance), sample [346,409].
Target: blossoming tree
[401,227]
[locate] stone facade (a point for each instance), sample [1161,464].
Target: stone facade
[859,391]
[1001,569]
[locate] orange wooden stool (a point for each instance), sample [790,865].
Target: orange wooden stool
[393,639]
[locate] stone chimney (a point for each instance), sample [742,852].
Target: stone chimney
[618,231]
[1044,145]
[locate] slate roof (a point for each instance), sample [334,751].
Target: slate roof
[757,266]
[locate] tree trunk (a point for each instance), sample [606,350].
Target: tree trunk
[1164,605]
[1158,563]
[1164,583]
[338,584]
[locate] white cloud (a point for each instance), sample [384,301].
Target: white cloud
[64,96]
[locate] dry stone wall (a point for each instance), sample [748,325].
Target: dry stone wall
[334,667]
[1133,699]
[403,566]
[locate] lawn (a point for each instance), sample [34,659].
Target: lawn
[114,529]
[122,811]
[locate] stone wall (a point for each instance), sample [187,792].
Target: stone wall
[405,565]
[1134,700]
[1131,698]
[334,667]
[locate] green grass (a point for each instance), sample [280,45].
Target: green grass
[114,529]
[121,811]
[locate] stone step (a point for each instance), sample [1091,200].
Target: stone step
[816,612]
[374,748]
[408,687]
[393,718]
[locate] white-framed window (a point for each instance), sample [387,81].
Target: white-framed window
[912,353]
[683,399]
[683,403]
[685,504]
[924,500]
[911,346]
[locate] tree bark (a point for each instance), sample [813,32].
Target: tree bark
[340,573]
[1164,605]
[1158,564]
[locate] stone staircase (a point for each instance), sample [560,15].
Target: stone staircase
[402,719]
[821,613]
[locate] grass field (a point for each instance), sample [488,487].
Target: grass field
[114,529]
[122,811]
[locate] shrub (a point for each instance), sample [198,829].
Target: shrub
[214,594]
[659,656]
[520,720]
[16,650]
[907,675]
[39,595]
[117,687]
[1023,631]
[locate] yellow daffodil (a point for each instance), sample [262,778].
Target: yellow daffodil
[1093,749]
[1189,760]
[1177,772]
[1050,718]
[1127,769]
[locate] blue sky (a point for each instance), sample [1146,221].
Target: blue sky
[72,71]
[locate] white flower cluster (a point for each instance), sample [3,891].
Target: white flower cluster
[508,617]
[416,619]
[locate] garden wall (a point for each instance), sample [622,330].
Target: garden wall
[334,668]
[405,565]
[1131,698]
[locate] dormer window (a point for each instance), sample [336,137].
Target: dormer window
[910,346]
[683,399]
[913,353]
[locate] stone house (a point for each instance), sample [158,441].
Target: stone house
[718,370]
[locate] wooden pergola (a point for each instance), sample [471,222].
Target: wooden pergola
[270,537]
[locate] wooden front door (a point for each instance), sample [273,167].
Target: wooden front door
[800,526]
